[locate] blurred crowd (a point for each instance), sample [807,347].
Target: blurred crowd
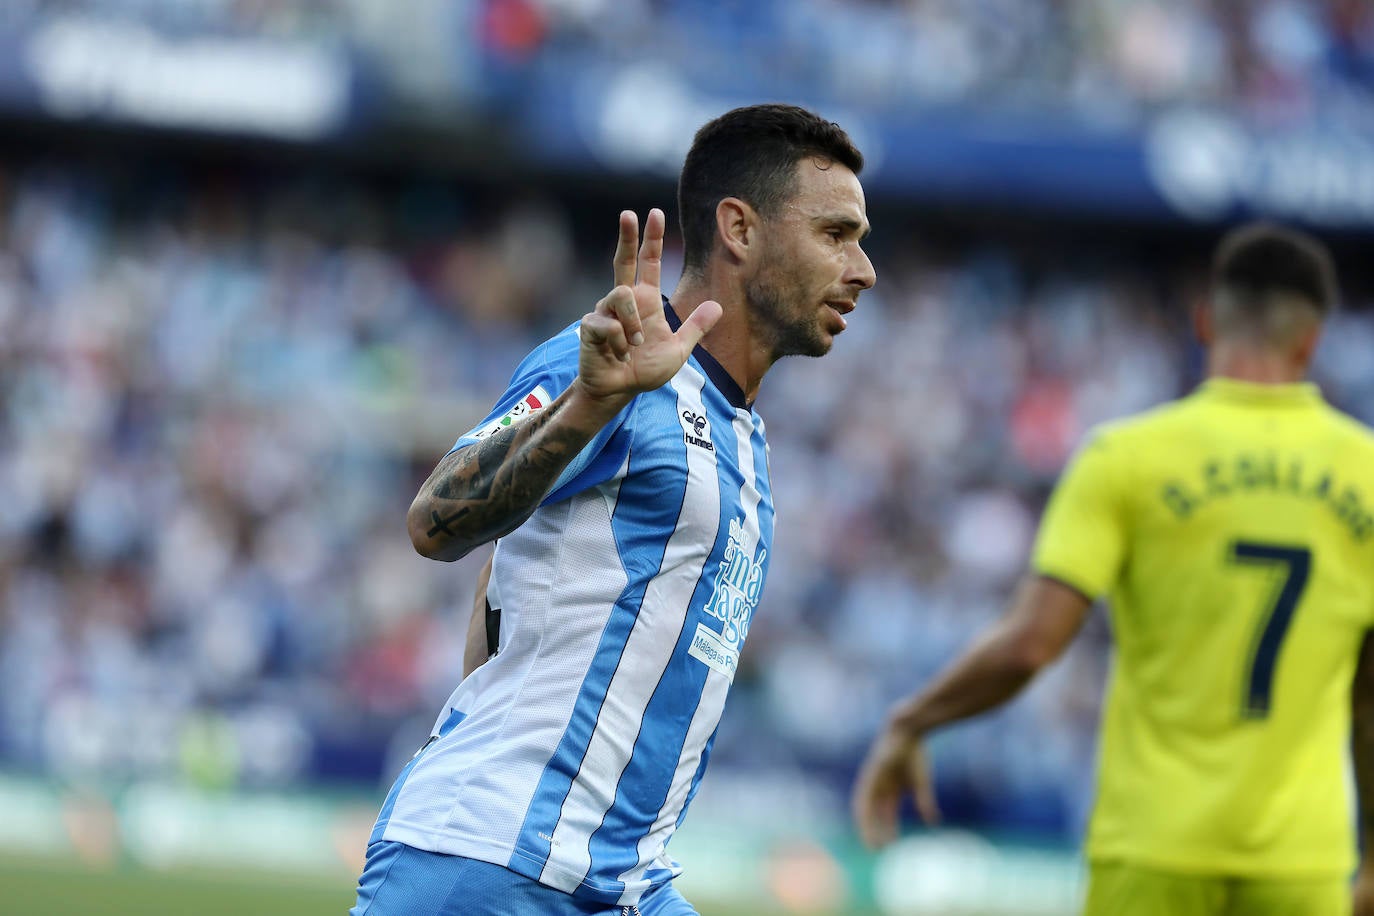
[220,397]
[312,19]
[1278,61]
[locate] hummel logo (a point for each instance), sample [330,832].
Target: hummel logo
[696,425]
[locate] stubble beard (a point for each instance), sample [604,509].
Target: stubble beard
[783,318]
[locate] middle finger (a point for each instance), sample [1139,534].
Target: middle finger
[625,260]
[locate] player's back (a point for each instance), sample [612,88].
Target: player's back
[1242,589]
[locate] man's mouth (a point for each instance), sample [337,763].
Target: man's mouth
[841,307]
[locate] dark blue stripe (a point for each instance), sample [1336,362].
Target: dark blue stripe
[646,514]
[384,816]
[611,446]
[696,777]
[643,788]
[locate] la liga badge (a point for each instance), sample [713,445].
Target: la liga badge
[524,408]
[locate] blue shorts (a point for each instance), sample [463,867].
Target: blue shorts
[400,880]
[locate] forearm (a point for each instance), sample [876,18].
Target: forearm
[1363,752]
[486,490]
[1045,616]
[988,675]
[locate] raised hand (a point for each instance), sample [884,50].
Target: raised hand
[486,490]
[896,767]
[627,344]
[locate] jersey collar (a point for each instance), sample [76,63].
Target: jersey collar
[714,370]
[1296,394]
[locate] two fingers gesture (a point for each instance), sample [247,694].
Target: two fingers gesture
[627,344]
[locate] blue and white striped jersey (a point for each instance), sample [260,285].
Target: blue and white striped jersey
[572,755]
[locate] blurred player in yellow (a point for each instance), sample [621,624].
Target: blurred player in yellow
[1233,532]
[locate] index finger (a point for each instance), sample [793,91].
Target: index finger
[625,248]
[651,251]
[875,816]
[926,805]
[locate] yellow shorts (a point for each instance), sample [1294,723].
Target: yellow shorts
[1117,889]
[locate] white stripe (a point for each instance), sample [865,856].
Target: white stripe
[493,599]
[611,492]
[708,713]
[647,653]
[552,623]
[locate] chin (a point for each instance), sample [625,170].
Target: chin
[821,340]
[817,346]
[806,340]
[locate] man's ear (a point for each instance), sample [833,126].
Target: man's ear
[1306,345]
[737,228]
[1203,324]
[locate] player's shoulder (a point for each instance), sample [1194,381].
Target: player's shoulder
[1347,426]
[1129,432]
[1352,435]
[563,346]
[555,357]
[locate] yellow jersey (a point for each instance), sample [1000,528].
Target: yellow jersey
[1233,531]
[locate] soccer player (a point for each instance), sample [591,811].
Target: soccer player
[625,474]
[1234,532]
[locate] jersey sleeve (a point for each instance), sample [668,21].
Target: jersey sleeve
[539,379]
[1082,536]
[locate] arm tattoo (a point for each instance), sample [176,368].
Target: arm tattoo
[442,524]
[485,490]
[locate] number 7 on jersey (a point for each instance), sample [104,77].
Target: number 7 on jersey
[1296,563]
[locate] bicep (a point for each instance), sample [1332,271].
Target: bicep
[530,392]
[539,379]
[1045,616]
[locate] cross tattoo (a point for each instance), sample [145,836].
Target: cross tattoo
[441,524]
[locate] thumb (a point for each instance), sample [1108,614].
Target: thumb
[700,322]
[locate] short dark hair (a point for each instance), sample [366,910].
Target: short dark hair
[751,153]
[1256,261]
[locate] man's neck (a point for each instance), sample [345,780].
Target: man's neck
[1254,364]
[731,342]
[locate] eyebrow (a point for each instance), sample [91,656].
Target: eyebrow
[848,222]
